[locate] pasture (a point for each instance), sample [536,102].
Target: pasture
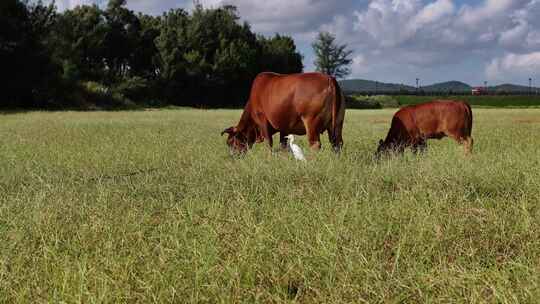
[148,207]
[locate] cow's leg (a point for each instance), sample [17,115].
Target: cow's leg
[422,146]
[313,134]
[282,141]
[414,149]
[401,148]
[267,134]
[466,141]
[419,146]
[314,139]
[468,145]
[336,141]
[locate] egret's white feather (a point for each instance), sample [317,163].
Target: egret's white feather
[295,149]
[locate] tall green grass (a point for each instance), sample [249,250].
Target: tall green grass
[147,206]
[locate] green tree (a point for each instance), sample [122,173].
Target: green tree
[80,43]
[279,55]
[229,48]
[145,60]
[331,58]
[205,57]
[28,72]
[122,39]
[172,46]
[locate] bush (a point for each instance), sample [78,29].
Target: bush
[97,95]
[385,101]
[96,88]
[92,95]
[371,102]
[134,88]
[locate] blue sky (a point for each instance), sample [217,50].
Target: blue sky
[400,40]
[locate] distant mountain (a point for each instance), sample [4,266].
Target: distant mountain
[453,86]
[507,87]
[362,85]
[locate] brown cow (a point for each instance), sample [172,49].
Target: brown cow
[309,103]
[413,125]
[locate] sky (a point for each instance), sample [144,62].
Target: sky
[400,40]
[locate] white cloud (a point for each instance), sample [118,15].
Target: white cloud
[522,33]
[157,7]
[533,39]
[386,20]
[515,35]
[433,13]
[69,4]
[473,16]
[359,66]
[286,16]
[514,65]
[340,27]
[407,32]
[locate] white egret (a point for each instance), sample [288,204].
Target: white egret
[294,148]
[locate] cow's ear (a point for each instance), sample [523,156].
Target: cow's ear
[230,130]
[380,142]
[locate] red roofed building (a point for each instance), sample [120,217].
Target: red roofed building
[479,91]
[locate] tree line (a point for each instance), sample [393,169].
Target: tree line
[112,56]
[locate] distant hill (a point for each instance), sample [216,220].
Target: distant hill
[449,86]
[507,87]
[362,85]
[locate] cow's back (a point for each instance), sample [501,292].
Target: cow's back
[279,90]
[286,100]
[438,118]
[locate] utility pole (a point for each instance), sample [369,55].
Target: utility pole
[417,87]
[530,86]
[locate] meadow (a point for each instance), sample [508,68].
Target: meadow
[148,207]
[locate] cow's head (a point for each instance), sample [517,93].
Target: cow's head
[239,141]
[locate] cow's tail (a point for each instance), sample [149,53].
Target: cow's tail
[469,142]
[470,117]
[337,104]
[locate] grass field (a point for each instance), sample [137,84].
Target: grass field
[147,207]
[497,101]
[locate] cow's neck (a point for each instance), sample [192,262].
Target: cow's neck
[245,120]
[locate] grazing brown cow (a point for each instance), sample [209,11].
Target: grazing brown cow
[413,125]
[309,103]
